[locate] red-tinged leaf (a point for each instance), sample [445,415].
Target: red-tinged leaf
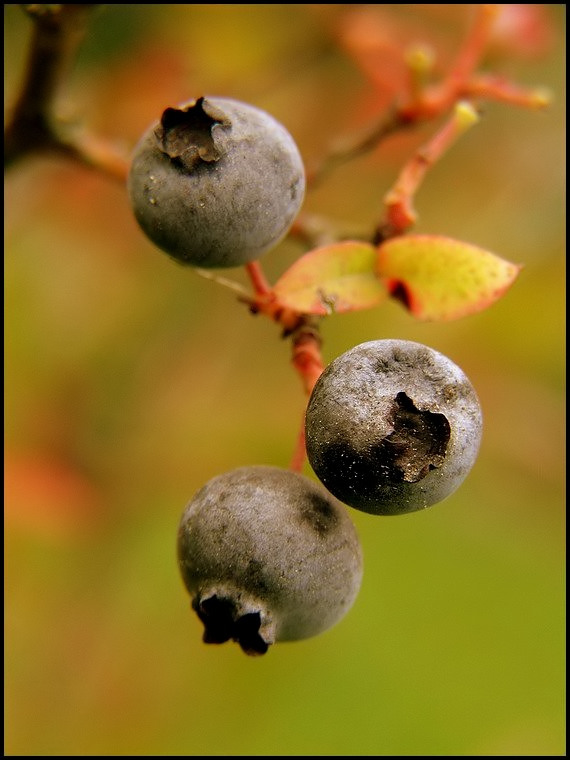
[335,278]
[440,279]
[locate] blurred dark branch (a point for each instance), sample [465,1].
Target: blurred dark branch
[57,33]
[356,145]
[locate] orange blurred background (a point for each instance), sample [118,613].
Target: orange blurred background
[130,381]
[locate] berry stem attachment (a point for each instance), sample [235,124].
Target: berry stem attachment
[306,350]
[260,283]
[308,363]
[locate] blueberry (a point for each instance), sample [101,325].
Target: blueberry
[267,555]
[216,182]
[392,426]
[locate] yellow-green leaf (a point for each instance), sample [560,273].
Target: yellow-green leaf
[335,278]
[441,279]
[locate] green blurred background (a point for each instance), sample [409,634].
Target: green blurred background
[130,381]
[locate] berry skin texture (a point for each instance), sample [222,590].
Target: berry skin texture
[216,183]
[267,555]
[392,426]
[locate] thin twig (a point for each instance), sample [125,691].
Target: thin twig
[492,87]
[438,98]
[308,362]
[354,146]
[400,214]
[224,281]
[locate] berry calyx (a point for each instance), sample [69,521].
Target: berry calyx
[267,555]
[216,182]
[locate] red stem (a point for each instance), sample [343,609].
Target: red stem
[440,97]
[492,87]
[400,214]
[260,284]
[300,453]
[308,362]
[472,49]
[307,358]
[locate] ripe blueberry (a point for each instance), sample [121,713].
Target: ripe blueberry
[216,182]
[392,426]
[267,555]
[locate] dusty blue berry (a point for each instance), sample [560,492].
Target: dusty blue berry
[392,426]
[267,555]
[216,182]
